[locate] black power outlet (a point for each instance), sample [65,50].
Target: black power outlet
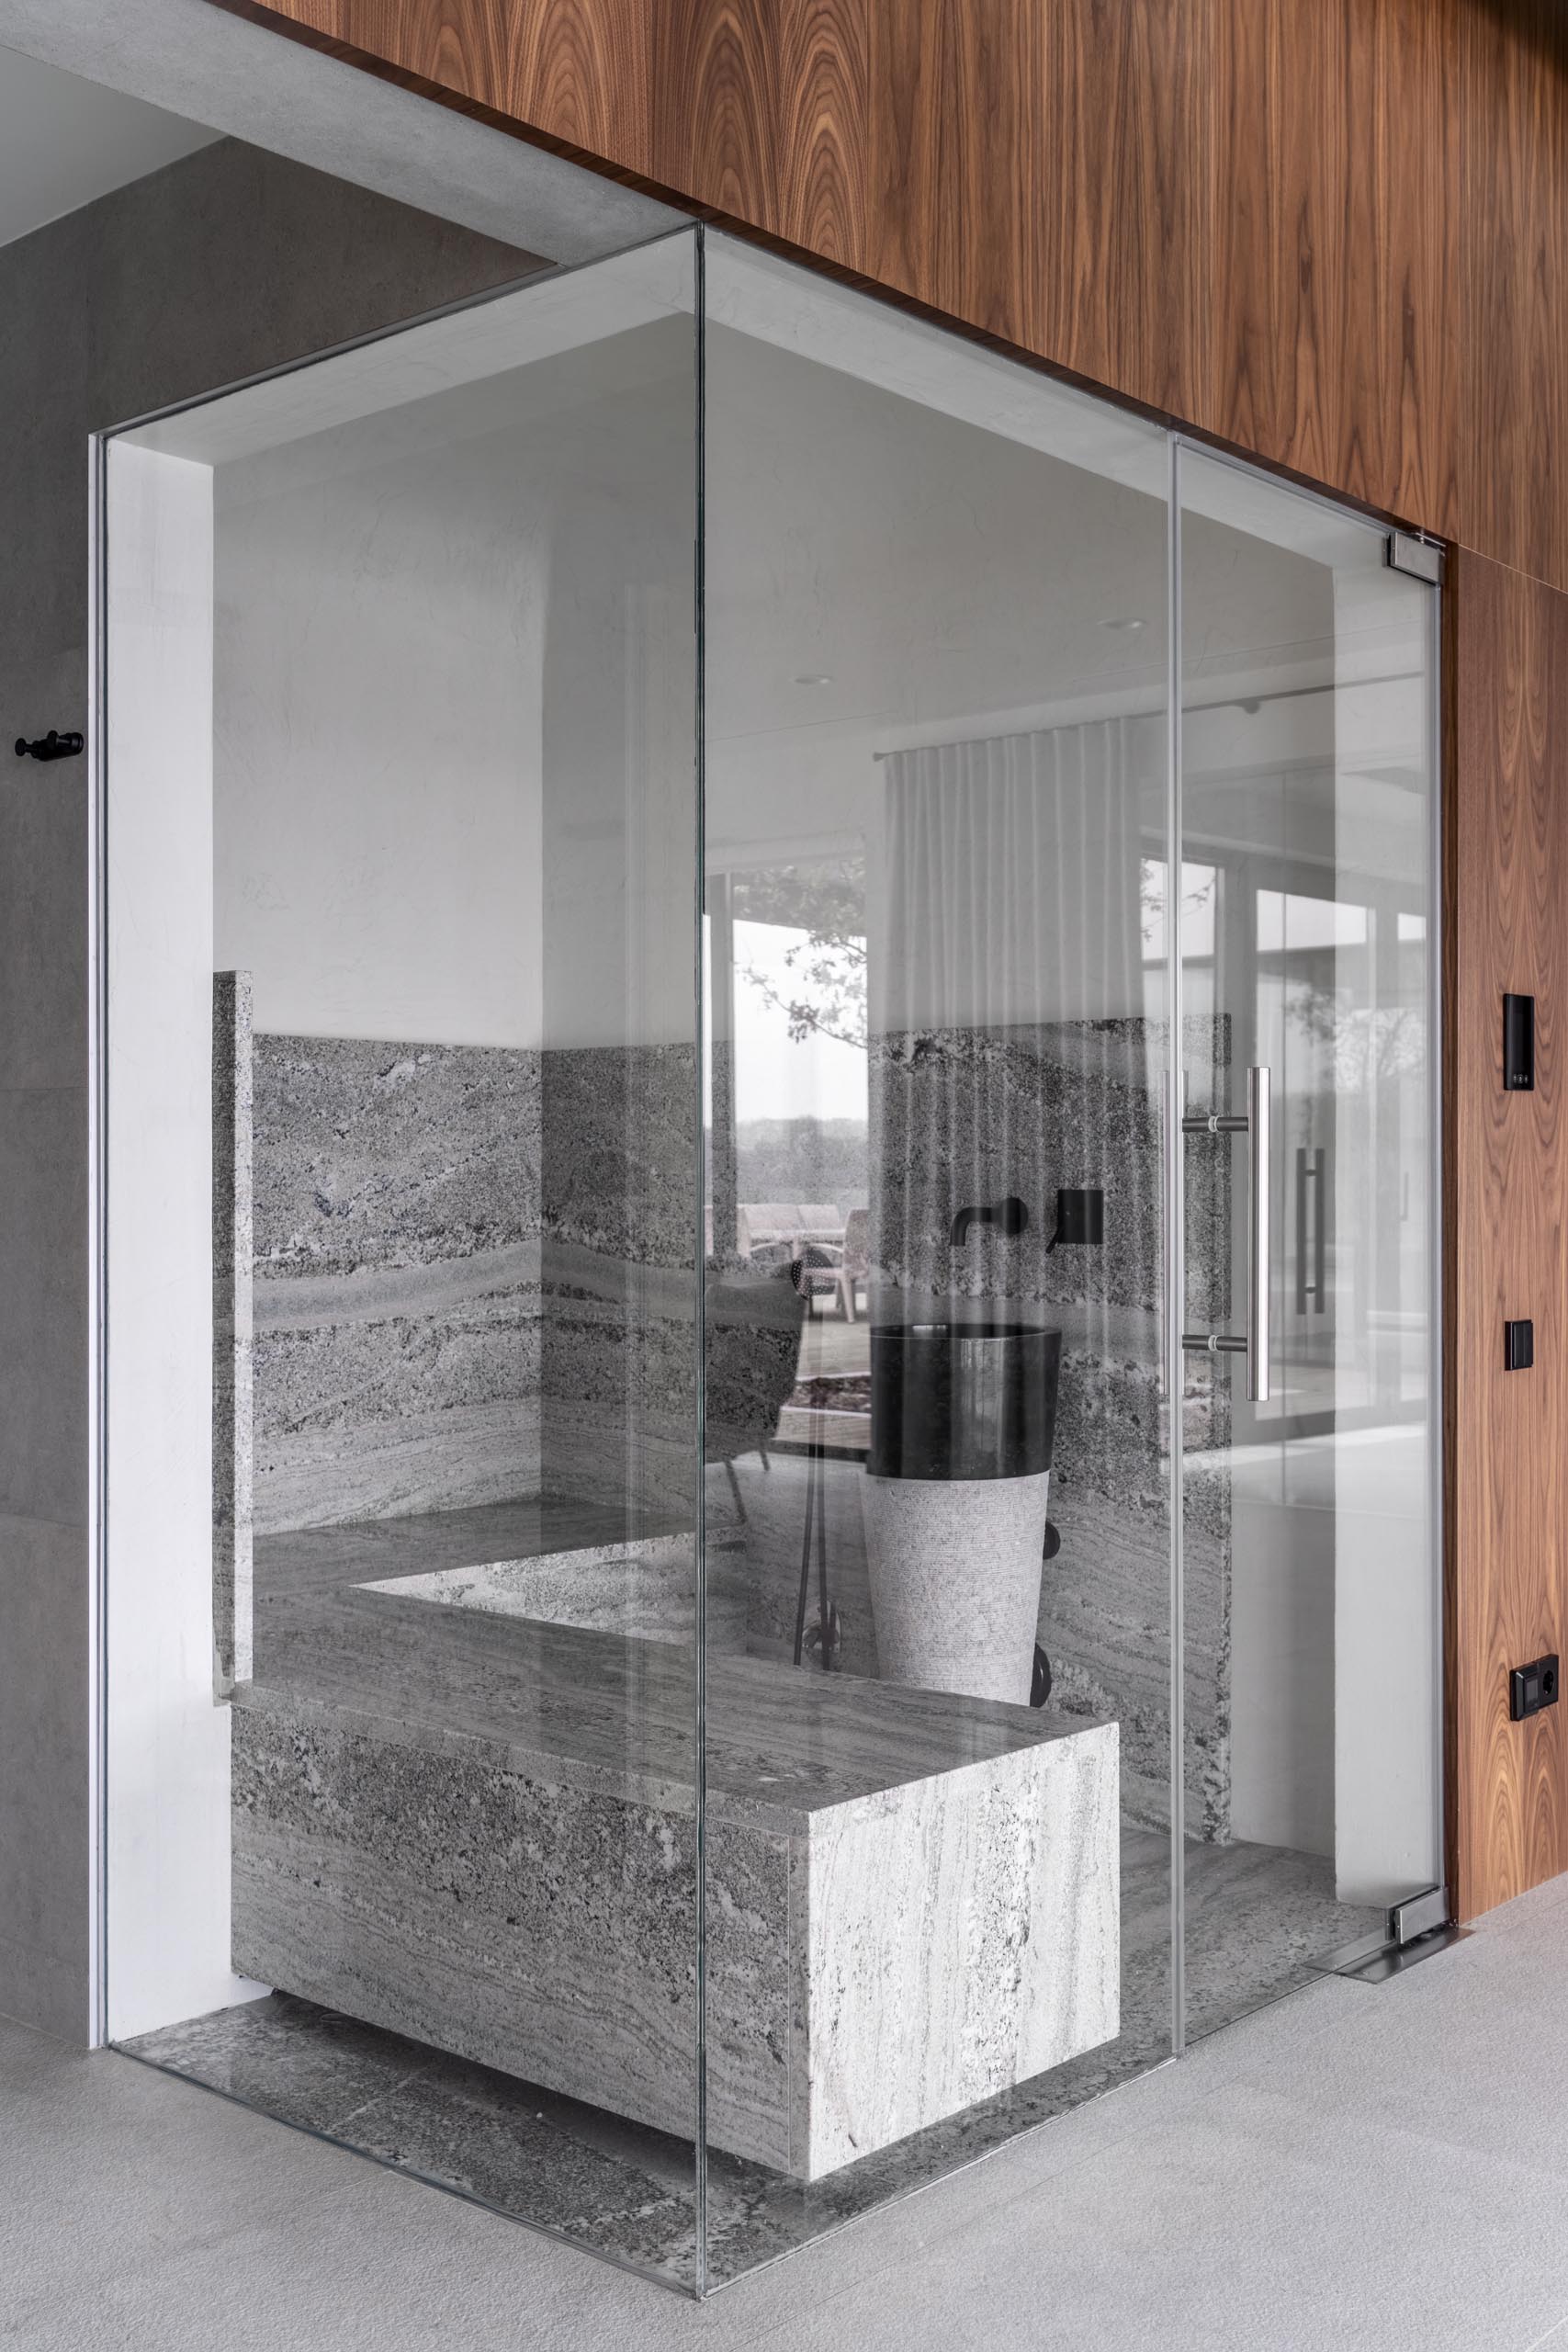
[1532,1687]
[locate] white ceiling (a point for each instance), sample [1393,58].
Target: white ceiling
[64,140]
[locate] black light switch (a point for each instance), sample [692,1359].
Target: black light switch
[1518,1345]
[1518,1043]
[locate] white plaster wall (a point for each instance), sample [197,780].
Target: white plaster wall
[455,718]
[620,824]
[378,637]
[168,1742]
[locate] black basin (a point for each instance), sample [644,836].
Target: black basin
[963,1400]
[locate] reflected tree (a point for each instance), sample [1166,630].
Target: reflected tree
[824,995]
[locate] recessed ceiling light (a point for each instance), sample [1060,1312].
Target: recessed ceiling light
[1128,626]
[814,678]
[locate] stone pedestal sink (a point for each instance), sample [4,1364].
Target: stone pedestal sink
[963,1420]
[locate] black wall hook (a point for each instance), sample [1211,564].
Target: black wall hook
[51,746]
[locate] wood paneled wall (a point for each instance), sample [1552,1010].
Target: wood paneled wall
[1507,1190]
[1513,452]
[1333,233]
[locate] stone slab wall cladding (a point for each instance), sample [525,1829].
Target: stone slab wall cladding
[473,1278]
[444,1238]
[397,1278]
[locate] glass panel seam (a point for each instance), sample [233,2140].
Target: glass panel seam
[699,880]
[1176,1272]
[1437,1371]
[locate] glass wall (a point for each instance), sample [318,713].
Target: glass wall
[401,834]
[688,1648]
[938,1656]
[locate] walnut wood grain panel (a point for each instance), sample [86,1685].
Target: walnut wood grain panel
[1333,232]
[1507,868]
[1336,245]
[1125,263]
[1514,453]
[760,115]
[1040,173]
[577,74]
[1241,212]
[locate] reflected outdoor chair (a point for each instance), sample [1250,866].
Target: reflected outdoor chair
[752,1326]
[854,1267]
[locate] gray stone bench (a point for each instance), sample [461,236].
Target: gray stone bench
[480,1830]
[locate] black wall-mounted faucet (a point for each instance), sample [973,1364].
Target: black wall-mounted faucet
[1009,1217]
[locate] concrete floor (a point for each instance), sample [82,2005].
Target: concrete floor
[1355,2167]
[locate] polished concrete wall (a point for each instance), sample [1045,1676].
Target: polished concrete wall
[224,263]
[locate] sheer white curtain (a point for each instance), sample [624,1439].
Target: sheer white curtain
[1014,868]
[1011,1045]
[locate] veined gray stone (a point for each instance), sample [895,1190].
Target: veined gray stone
[646,1588]
[480,1831]
[397,1287]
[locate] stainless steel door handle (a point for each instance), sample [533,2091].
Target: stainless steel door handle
[1259,1107]
[1311,1175]
[1254,1343]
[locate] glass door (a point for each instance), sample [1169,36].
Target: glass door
[1307,798]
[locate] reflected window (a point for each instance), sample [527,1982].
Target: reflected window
[1200,931]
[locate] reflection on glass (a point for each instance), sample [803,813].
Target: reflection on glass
[938,1659]
[1200,922]
[514,1247]
[1308,791]
[442,1903]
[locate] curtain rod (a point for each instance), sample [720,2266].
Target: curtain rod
[1226,702]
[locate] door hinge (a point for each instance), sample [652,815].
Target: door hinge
[1422,558]
[1418,1914]
[1412,1931]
